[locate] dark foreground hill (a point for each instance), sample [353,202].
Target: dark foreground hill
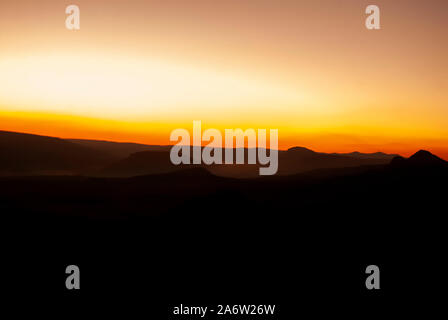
[376,189]
[192,235]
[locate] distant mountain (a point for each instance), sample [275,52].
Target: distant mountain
[421,158]
[24,154]
[297,160]
[118,149]
[424,157]
[28,154]
[293,161]
[375,155]
[301,150]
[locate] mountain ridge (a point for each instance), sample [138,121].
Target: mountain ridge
[29,154]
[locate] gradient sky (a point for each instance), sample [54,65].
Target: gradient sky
[138,69]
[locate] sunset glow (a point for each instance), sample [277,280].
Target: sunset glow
[139,69]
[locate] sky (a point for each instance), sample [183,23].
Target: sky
[136,70]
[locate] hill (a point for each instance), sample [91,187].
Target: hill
[33,154]
[419,159]
[27,154]
[118,149]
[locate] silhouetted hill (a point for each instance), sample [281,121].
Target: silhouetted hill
[345,218]
[24,154]
[421,158]
[298,160]
[381,191]
[301,150]
[293,161]
[118,149]
[352,217]
[33,154]
[424,157]
[375,155]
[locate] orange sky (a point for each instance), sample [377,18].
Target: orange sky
[138,69]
